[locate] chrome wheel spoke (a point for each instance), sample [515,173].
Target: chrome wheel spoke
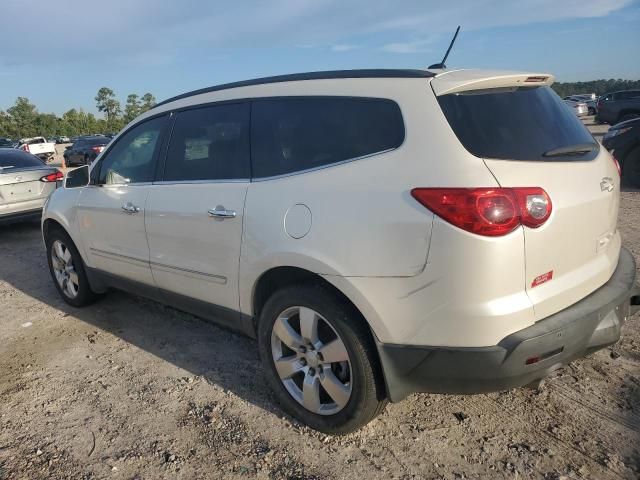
[334,351]
[66,256]
[59,251]
[311,393]
[287,367]
[308,324]
[338,391]
[287,334]
[73,277]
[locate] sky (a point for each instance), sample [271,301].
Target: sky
[59,53]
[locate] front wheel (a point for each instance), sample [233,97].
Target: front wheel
[320,360]
[67,269]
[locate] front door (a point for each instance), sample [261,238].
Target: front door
[194,215]
[111,211]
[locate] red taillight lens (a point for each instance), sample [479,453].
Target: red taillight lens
[25,147]
[52,177]
[617,163]
[487,211]
[98,149]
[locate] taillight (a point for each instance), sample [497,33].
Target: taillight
[617,163]
[25,147]
[52,177]
[98,149]
[487,211]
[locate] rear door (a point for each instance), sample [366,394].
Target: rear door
[528,138]
[195,214]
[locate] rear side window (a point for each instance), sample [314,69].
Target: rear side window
[298,133]
[18,159]
[210,143]
[520,123]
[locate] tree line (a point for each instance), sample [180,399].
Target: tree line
[599,87]
[23,119]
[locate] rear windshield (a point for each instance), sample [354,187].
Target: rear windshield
[96,141]
[10,158]
[520,123]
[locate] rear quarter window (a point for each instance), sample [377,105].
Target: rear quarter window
[301,133]
[520,123]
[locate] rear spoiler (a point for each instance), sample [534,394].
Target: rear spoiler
[465,80]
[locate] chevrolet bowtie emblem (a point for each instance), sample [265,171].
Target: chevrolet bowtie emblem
[606,185]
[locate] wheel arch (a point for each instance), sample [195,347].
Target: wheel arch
[276,278]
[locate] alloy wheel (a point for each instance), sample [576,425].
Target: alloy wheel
[311,360]
[64,269]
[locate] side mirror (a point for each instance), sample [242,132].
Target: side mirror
[76,178]
[67,147]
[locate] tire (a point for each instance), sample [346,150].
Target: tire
[358,393]
[60,251]
[592,111]
[631,168]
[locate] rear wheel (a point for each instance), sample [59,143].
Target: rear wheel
[320,360]
[67,269]
[631,168]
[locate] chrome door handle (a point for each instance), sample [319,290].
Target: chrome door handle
[221,212]
[130,208]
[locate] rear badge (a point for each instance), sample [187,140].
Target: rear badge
[540,279]
[606,185]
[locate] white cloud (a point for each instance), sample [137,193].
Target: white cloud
[415,46]
[343,47]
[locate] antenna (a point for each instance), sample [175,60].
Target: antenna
[441,64]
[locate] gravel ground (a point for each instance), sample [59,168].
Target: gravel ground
[130,389]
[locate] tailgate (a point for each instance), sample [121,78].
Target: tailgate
[528,137]
[19,186]
[576,250]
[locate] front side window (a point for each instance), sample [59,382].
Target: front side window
[131,159]
[209,143]
[300,133]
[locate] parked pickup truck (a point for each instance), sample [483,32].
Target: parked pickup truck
[38,146]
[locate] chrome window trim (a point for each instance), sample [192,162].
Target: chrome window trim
[329,165]
[201,182]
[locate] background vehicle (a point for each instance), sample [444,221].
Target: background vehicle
[85,150]
[7,143]
[619,106]
[579,107]
[38,146]
[623,141]
[25,184]
[316,213]
[589,99]
[62,139]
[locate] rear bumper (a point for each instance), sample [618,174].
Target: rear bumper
[522,357]
[21,216]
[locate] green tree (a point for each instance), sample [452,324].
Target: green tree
[106,102]
[148,102]
[23,115]
[132,108]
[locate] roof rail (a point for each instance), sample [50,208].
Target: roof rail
[331,74]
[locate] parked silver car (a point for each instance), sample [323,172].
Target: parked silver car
[589,99]
[579,108]
[25,184]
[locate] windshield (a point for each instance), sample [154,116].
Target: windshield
[519,123]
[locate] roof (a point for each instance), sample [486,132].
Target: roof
[326,75]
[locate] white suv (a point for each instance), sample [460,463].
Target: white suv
[380,232]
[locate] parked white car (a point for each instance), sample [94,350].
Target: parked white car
[579,107]
[380,232]
[38,146]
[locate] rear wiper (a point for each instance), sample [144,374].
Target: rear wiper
[577,149]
